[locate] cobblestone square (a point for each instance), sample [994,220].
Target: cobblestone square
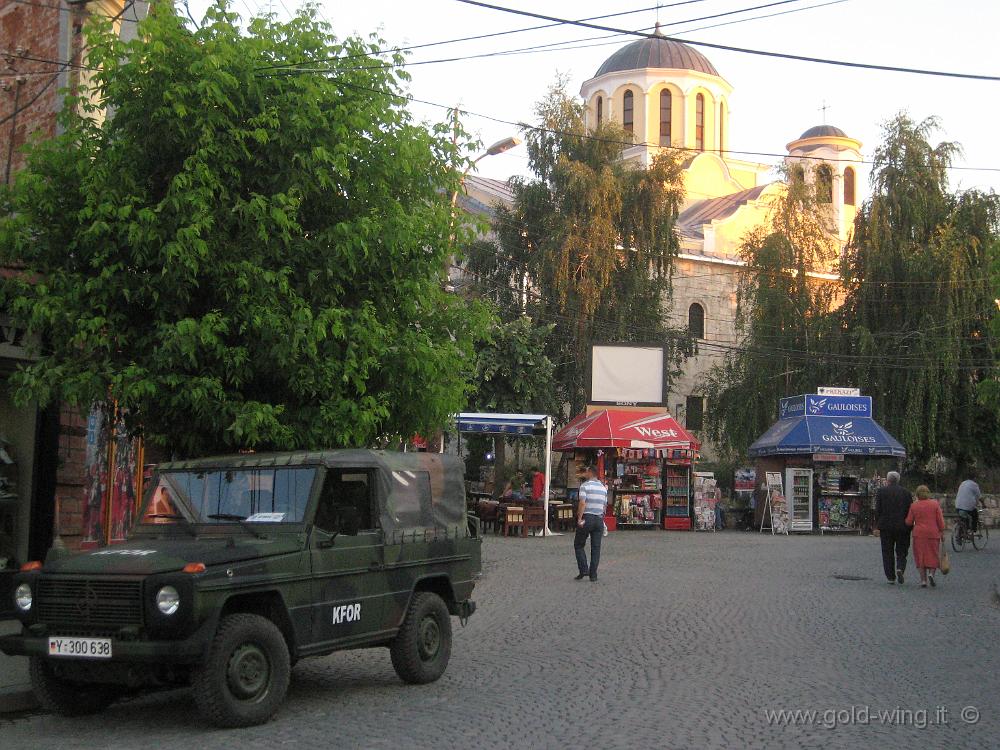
[688,640]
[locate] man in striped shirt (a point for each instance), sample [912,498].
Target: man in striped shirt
[593,499]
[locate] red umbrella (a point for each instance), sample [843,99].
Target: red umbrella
[623,429]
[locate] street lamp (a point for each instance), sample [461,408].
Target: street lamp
[505,144]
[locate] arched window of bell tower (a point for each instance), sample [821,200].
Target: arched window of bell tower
[628,111]
[849,186]
[666,111]
[699,122]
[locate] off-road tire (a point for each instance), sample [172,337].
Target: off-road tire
[245,675]
[67,697]
[422,648]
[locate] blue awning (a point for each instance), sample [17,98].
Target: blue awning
[858,436]
[506,424]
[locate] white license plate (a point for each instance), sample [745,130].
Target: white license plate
[81,648]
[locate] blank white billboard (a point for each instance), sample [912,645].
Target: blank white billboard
[626,375]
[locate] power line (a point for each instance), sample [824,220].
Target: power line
[730,48]
[476,37]
[614,141]
[884,362]
[572,44]
[548,47]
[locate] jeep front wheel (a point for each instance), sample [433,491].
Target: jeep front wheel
[67,697]
[245,676]
[421,650]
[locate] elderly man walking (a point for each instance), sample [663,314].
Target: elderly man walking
[892,503]
[593,499]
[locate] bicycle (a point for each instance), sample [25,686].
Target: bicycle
[962,533]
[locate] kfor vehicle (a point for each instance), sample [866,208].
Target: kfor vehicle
[239,566]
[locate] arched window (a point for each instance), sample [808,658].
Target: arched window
[849,186]
[600,111]
[722,124]
[824,184]
[666,105]
[696,321]
[627,113]
[797,174]
[699,122]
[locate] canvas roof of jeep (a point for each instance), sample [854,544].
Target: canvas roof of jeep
[412,502]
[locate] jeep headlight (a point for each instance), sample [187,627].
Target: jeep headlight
[168,600]
[23,597]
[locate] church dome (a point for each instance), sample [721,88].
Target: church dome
[823,131]
[657,52]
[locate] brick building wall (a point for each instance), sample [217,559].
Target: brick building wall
[41,44]
[33,45]
[70,476]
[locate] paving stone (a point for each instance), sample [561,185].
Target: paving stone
[686,641]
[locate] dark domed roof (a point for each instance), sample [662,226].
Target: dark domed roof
[823,130]
[657,52]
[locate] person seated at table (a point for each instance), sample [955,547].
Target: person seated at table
[509,493]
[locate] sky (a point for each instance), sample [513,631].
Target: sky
[773,101]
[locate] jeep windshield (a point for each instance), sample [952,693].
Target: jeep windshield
[220,496]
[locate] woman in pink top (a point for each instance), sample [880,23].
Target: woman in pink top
[928,526]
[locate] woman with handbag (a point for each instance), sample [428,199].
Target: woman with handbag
[928,529]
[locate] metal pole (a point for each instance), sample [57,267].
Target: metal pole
[548,471]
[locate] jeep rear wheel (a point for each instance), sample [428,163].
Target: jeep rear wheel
[421,650]
[67,697]
[246,673]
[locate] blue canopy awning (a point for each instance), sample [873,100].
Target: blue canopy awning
[859,436]
[507,424]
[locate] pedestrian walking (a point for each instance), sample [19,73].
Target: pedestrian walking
[928,528]
[593,499]
[892,504]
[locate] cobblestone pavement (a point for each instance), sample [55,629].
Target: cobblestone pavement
[686,641]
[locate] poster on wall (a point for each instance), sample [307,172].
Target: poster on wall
[95,478]
[125,482]
[112,479]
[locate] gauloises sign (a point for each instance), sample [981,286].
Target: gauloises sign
[815,405]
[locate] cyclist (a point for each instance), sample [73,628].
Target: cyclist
[966,501]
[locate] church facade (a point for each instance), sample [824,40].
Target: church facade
[670,96]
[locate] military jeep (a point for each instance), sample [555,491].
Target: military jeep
[237,567]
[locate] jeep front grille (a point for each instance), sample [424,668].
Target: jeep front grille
[90,604]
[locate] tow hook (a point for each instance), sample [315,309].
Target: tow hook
[465,610]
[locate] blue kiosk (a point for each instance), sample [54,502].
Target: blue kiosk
[822,445]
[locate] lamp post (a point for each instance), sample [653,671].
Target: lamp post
[506,144]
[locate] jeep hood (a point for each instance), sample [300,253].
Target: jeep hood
[163,555]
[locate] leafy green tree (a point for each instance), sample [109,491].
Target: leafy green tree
[919,297]
[245,254]
[587,245]
[908,324]
[782,318]
[514,375]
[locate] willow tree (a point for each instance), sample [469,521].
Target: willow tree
[247,254]
[587,245]
[784,299]
[919,296]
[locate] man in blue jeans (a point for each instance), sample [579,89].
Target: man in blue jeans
[593,499]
